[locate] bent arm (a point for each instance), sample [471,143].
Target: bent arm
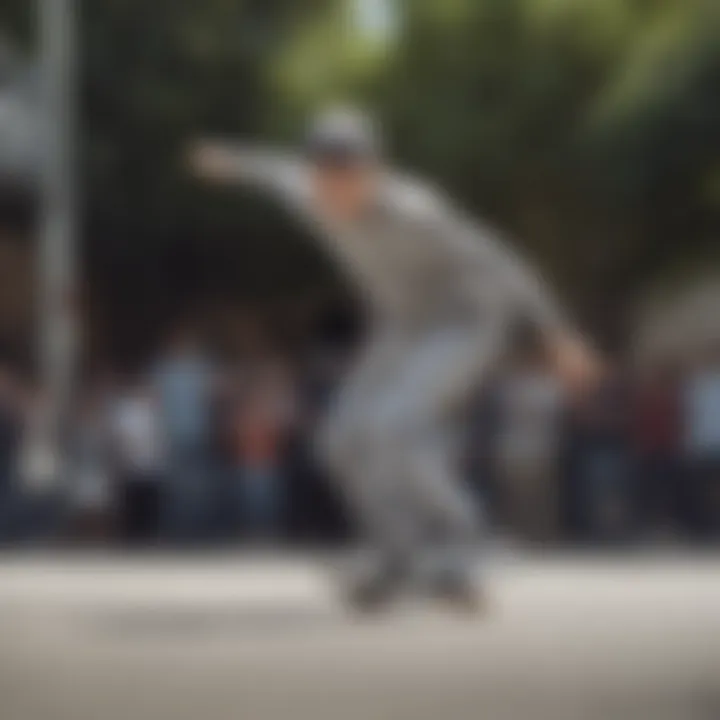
[498,275]
[521,287]
[520,290]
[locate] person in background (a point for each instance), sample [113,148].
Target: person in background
[41,501]
[140,456]
[262,427]
[318,513]
[92,496]
[482,457]
[532,404]
[224,513]
[656,437]
[11,424]
[602,471]
[702,446]
[183,385]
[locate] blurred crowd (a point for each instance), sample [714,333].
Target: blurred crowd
[192,452]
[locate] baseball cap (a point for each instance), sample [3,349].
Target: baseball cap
[342,135]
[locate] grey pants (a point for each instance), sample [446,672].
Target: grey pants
[391,443]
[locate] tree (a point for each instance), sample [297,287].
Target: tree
[587,129]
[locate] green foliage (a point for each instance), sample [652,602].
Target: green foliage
[17,19]
[588,129]
[156,76]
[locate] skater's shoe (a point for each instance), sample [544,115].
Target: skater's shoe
[374,594]
[462,596]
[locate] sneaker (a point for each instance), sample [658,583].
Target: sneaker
[462,595]
[375,593]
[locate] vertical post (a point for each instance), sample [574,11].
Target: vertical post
[56,270]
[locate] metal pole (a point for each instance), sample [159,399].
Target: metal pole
[56,268]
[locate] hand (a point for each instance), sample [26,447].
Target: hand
[578,366]
[209,160]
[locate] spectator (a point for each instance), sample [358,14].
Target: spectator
[140,461]
[92,486]
[657,437]
[41,501]
[262,424]
[318,513]
[531,405]
[183,384]
[702,445]
[223,451]
[10,434]
[481,452]
[602,471]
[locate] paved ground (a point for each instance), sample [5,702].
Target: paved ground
[229,638]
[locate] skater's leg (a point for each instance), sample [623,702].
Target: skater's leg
[449,511]
[413,432]
[364,474]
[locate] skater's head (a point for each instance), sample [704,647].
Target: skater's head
[343,149]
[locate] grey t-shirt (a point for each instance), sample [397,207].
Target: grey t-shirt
[413,256]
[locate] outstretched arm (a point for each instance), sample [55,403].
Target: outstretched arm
[231,163]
